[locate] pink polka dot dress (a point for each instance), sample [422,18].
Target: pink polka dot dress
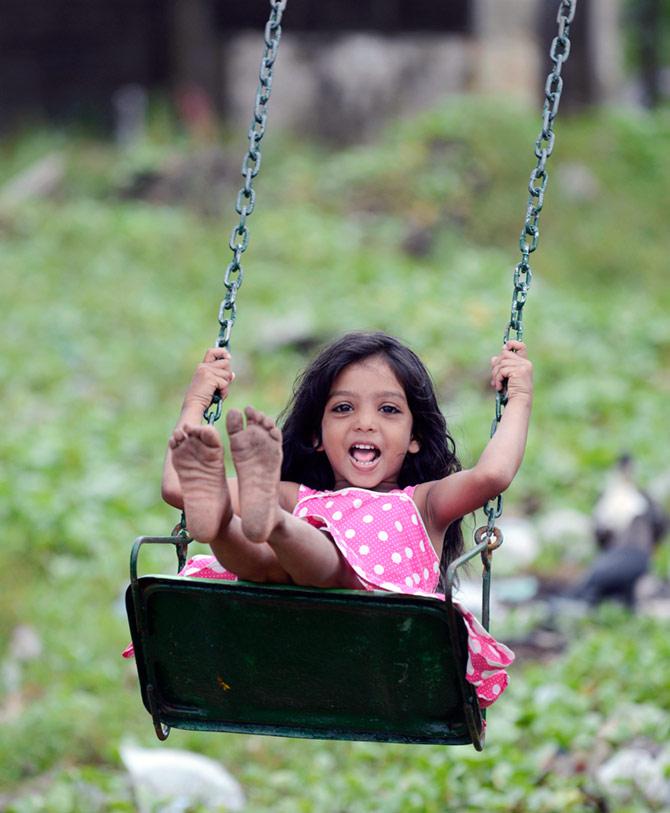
[382,537]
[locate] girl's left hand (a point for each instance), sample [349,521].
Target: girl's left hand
[512,366]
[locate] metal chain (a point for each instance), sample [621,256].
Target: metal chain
[530,233]
[244,205]
[246,197]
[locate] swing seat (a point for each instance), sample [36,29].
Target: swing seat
[299,662]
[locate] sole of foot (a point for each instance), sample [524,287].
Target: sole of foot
[197,456]
[257,454]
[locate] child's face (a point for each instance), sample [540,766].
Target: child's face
[366,429]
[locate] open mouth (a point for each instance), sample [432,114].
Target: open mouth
[364,454]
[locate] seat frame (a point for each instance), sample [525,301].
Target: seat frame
[216,655]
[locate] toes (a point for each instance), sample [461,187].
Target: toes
[177,438]
[260,419]
[207,435]
[268,424]
[234,421]
[253,415]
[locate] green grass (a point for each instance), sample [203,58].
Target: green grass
[108,306]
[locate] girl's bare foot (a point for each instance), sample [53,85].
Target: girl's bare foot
[257,455]
[198,459]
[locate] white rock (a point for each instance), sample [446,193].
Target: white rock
[577,181]
[559,523]
[569,529]
[520,546]
[40,180]
[25,643]
[633,773]
[295,327]
[173,780]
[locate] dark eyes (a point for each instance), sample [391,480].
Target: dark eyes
[387,409]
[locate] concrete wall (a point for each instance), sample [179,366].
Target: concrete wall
[506,55]
[345,86]
[348,88]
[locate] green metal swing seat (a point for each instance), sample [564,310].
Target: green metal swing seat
[298,662]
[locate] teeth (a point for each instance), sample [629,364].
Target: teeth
[365,454]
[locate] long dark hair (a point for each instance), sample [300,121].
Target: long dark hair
[301,421]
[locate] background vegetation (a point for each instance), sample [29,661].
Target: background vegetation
[110,301]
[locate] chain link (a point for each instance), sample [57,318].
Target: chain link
[530,233]
[246,197]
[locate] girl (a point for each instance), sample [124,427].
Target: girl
[364,492]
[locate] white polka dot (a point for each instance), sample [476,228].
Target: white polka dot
[469,668]
[475,646]
[392,588]
[359,569]
[330,503]
[303,512]
[364,550]
[357,503]
[436,567]
[409,582]
[368,518]
[409,553]
[378,569]
[337,515]
[415,520]
[387,506]
[416,578]
[396,557]
[422,547]
[382,536]
[495,689]
[398,526]
[426,574]
[350,533]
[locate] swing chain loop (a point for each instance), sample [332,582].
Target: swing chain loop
[246,198]
[530,232]
[493,536]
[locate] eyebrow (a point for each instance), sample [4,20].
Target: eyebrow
[381,394]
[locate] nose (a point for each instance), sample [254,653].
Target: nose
[366,419]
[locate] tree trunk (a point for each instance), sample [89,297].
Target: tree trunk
[649,47]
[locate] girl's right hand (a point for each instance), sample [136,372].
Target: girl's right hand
[211,376]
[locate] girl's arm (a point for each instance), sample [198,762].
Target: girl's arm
[443,501]
[212,375]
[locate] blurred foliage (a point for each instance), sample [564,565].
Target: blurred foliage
[110,302]
[634,14]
